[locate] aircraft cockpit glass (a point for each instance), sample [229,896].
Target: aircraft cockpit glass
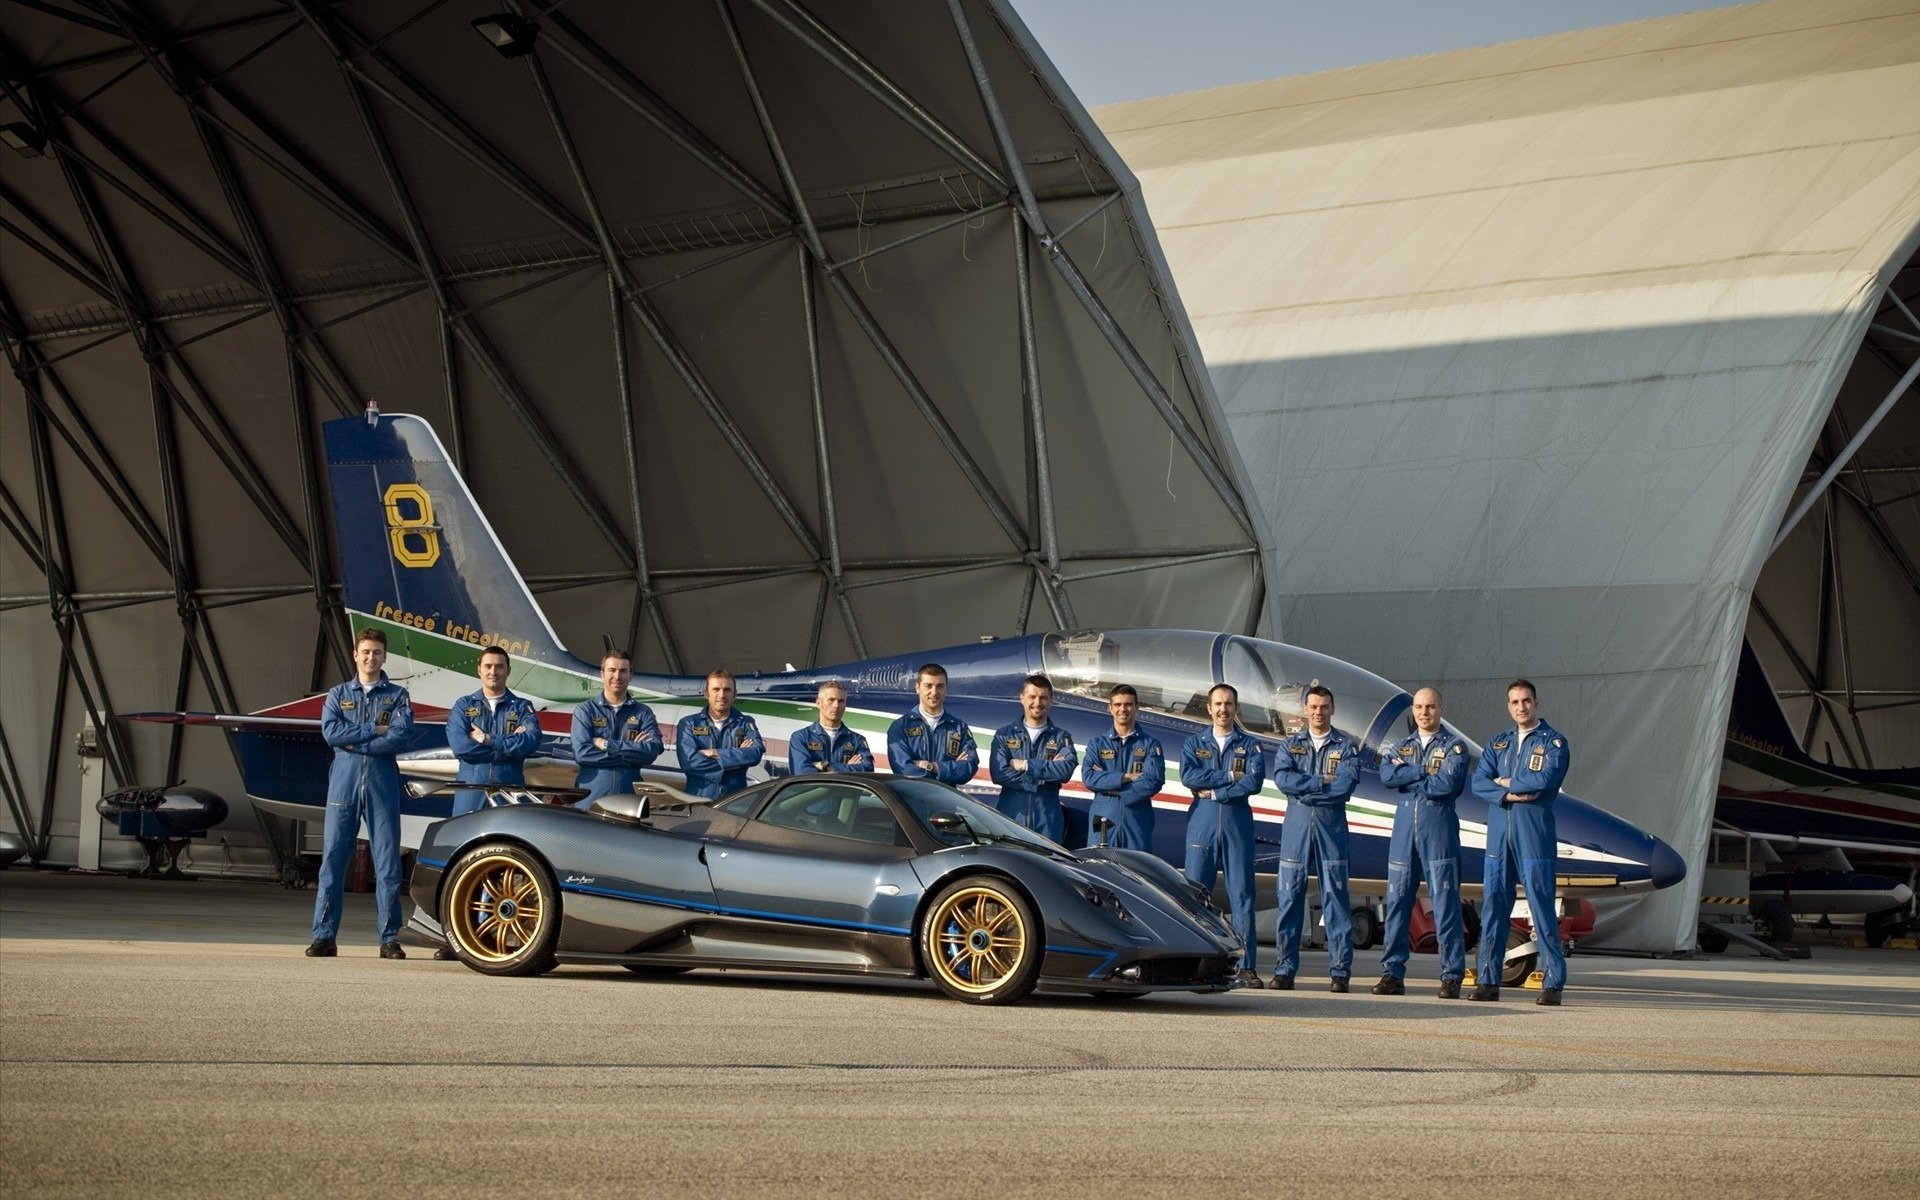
[1174,668]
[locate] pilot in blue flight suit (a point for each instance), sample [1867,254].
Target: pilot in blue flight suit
[367,720]
[1519,776]
[827,746]
[492,733]
[928,742]
[1031,758]
[1429,769]
[1125,770]
[1224,767]
[718,746]
[614,736]
[1318,769]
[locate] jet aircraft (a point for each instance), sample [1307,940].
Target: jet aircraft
[1774,791]
[421,563]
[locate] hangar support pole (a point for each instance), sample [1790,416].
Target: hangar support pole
[1103,319]
[424,256]
[1047,568]
[816,36]
[618,284]
[1846,454]
[475,149]
[196,631]
[266,269]
[592,60]
[857,309]
[823,460]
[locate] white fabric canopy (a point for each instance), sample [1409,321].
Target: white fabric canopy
[1524,349]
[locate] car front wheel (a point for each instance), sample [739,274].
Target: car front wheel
[500,911]
[982,942]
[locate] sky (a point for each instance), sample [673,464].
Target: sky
[1112,50]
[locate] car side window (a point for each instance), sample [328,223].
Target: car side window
[836,809]
[741,806]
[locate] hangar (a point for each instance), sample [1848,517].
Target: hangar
[766,331]
[778,332]
[1544,359]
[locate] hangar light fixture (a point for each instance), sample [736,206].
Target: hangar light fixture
[512,36]
[23,139]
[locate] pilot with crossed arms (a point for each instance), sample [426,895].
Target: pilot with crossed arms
[928,742]
[718,746]
[1031,758]
[492,733]
[1125,770]
[614,736]
[1519,777]
[827,746]
[1317,769]
[1429,769]
[1224,767]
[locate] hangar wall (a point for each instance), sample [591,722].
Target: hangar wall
[1525,349]
[765,331]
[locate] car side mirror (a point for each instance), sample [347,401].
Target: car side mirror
[953,822]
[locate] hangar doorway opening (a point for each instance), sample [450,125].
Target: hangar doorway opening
[1835,618]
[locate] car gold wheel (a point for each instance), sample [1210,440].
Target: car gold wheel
[981,941]
[501,912]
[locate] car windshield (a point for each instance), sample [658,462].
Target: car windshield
[1173,669]
[925,798]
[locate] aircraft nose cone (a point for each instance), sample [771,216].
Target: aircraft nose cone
[1666,867]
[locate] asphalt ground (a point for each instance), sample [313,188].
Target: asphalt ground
[162,1039]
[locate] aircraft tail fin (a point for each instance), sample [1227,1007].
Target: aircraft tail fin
[418,559]
[1757,717]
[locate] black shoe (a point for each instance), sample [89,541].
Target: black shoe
[1337,984]
[1449,989]
[445,954]
[391,950]
[1281,983]
[322,948]
[1248,979]
[1550,998]
[1486,991]
[1389,986]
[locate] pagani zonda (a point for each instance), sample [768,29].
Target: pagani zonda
[865,875]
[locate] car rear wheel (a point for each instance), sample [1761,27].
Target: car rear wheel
[981,942]
[500,911]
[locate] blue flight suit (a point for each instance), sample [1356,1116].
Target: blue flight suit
[1129,806]
[1521,840]
[633,742]
[1317,784]
[948,745]
[365,729]
[817,750]
[1032,796]
[737,739]
[1220,823]
[513,735]
[1426,833]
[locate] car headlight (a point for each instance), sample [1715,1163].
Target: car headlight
[1101,897]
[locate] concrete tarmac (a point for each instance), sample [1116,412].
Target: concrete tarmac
[162,1039]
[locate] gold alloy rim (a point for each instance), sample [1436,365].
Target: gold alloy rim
[497,908]
[979,939]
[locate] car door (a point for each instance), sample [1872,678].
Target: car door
[823,852]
